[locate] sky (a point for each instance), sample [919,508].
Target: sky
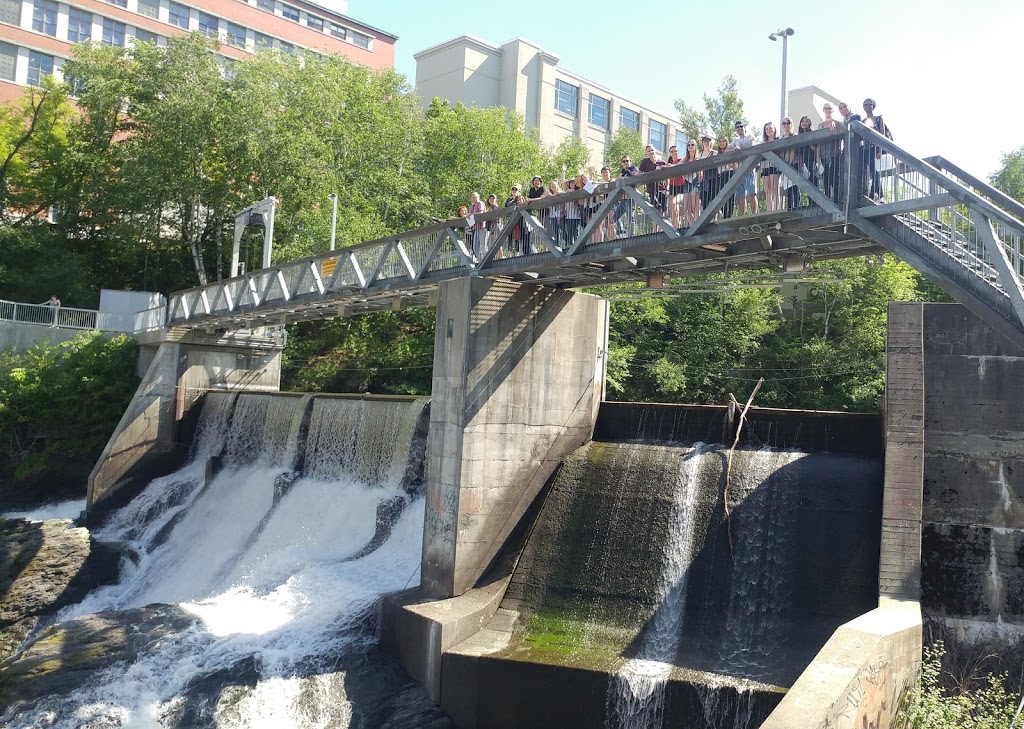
[941,71]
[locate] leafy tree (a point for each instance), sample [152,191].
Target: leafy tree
[721,112]
[572,155]
[1010,176]
[474,149]
[58,406]
[625,142]
[389,352]
[33,148]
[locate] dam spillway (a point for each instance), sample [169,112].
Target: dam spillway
[638,601]
[248,596]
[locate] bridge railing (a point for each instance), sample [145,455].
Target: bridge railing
[521,236]
[67,317]
[937,205]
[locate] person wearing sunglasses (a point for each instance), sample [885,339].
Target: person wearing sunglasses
[769,173]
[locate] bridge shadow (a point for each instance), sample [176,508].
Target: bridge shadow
[504,334]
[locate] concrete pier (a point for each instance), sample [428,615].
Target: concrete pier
[518,378]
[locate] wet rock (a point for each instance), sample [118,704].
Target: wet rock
[63,657]
[45,566]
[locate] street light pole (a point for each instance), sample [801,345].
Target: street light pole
[783,33]
[333,197]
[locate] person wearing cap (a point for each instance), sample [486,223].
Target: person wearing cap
[746,193]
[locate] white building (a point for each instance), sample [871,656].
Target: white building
[808,100]
[557,103]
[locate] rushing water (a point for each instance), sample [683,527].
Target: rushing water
[279,582]
[636,692]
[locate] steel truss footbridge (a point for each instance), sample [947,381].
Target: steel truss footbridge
[957,230]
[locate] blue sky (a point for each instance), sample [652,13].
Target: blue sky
[946,73]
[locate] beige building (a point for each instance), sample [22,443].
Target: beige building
[808,100]
[557,103]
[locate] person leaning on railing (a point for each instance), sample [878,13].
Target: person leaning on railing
[725,173]
[54,303]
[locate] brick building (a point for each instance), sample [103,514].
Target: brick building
[36,35]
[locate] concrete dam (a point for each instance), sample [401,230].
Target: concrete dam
[520,553]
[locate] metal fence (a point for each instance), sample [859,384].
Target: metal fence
[66,317]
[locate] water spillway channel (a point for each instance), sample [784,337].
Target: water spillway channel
[249,599]
[653,591]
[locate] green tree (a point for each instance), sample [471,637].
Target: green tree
[33,148]
[721,112]
[58,406]
[573,156]
[1009,179]
[467,149]
[625,142]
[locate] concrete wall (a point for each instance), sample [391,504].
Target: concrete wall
[973,532]
[518,373]
[20,337]
[860,675]
[146,441]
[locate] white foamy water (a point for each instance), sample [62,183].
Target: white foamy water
[62,510]
[271,584]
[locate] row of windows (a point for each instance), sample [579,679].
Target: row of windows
[44,20]
[39,64]
[317,23]
[599,112]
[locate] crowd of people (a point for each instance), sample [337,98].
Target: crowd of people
[683,198]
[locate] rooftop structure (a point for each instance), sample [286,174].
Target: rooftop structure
[36,36]
[557,103]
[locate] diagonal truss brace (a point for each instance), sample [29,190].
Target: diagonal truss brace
[821,199]
[652,213]
[997,254]
[724,194]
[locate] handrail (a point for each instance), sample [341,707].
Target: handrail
[69,317]
[998,196]
[953,187]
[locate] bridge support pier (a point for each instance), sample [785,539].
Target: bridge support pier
[146,441]
[518,378]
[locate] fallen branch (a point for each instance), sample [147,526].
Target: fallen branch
[728,468]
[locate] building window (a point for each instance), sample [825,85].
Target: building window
[79,25]
[236,35]
[113,32]
[338,31]
[285,47]
[144,36]
[39,66]
[44,17]
[177,15]
[149,8]
[360,39]
[263,41]
[267,5]
[8,59]
[209,25]
[599,111]
[629,119]
[10,11]
[315,23]
[119,3]
[289,12]
[656,133]
[567,97]
[681,140]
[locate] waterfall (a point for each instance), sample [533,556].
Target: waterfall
[636,692]
[275,589]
